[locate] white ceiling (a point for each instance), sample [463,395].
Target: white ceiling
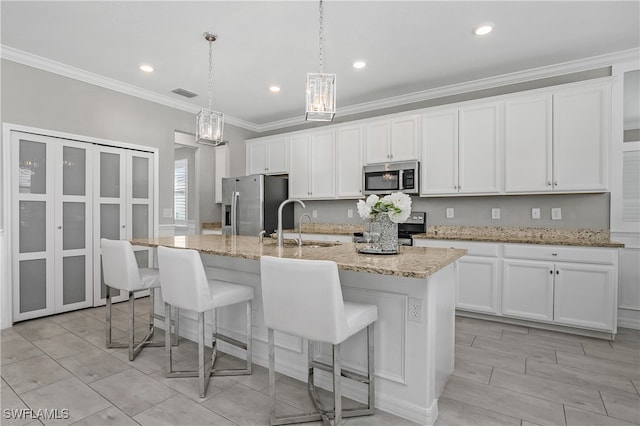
[409,46]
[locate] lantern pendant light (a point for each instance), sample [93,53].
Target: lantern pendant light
[209,123]
[321,88]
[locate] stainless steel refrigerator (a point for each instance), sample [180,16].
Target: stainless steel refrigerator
[250,204]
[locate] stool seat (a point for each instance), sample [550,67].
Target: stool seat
[359,316]
[149,278]
[224,293]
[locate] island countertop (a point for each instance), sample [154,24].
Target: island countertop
[411,262]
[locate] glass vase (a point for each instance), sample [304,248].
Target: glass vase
[386,233]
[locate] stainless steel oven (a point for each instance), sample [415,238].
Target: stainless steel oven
[391,177]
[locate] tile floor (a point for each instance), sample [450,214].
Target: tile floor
[504,375]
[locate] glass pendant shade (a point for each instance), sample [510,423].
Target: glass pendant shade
[209,127]
[321,97]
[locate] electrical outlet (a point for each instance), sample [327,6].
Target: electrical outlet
[449,212]
[415,310]
[349,213]
[314,214]
[556,213]
[495,213]
[535,213]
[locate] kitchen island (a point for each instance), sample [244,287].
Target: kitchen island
[414,292]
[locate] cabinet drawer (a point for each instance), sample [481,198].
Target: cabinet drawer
[473,249]
[562,254]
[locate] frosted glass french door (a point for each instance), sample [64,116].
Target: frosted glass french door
[52,234]
[123,187]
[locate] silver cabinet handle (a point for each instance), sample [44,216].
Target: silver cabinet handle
[122,226]
[554,254]
[555,183]
[548,183]
[59,227]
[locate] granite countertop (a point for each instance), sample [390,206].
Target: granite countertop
[211,225]
[499,234]
[412,262]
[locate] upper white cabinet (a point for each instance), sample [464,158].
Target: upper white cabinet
[349,161]
[221,170]
[461,151]
[395,139]
[312,170]
[267,156]
[557,141]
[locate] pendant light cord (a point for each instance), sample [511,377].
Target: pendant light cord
[210,73]
[321,38]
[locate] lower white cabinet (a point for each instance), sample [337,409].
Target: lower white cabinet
[561,285]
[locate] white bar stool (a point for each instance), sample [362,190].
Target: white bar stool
[304,298]
[121,272]
[185,285]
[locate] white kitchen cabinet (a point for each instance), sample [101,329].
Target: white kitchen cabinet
[267,156]
[221,170]
[477,274]
[529,144]
[123,207]
[349,161]
[395,139]
[571,286]
[581,137]
[557,141]
[52,225]
[461,151]
[312,166]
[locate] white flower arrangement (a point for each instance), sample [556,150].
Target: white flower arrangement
[397,205]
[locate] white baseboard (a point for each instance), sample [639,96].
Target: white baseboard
[629,318]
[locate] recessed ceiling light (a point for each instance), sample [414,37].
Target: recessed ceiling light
[146,68]
[359,64]
[274,88]
[483,30]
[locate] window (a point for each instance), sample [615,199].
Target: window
[180,191]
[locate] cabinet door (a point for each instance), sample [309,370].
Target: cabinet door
[300,170]
[277,156]
[349,162]
[479,145]
[528,289]
[580,138]
[322,177]
[405,133]
[221,170]
[528,144]
[74,226]
[32,186]
[378,137]
[439,165]
[256,158]
[477,284]
[585,296]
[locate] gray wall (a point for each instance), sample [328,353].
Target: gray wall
[578,210]
[33,97]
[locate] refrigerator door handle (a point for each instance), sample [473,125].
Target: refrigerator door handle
[234,212]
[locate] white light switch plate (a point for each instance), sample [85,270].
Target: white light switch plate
[449,212]
[349,213]
[495,213]
[556,213]
[535,213]
[314,214]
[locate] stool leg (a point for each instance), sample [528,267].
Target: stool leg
[249,337]
[371,367]
[167,338]
[272,377]
[131,324]
[201,378]
[108,313]
[337,386]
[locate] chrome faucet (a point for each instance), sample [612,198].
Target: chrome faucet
[261,236]
[285,202]
[300,227]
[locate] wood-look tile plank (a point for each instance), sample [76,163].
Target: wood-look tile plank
[504,401]
[625,408]
[614,368]
[516,348]
[602,352]
[580,377]
[636,384]
[464,338]
[577,417]
[472,371]
[576,396]
[551,342]
[498,359]
[486,328]
[452,412]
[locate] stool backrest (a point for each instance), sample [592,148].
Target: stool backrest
[119,265]
[303,298]
[183,279]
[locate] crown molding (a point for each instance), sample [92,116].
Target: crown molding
[609,59]
[59,68]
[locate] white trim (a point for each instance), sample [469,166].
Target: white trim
[608,59]
[59,68]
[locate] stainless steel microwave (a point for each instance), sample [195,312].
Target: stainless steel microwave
[391,177]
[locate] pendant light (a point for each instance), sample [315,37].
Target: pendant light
[321,89]
[209,123]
